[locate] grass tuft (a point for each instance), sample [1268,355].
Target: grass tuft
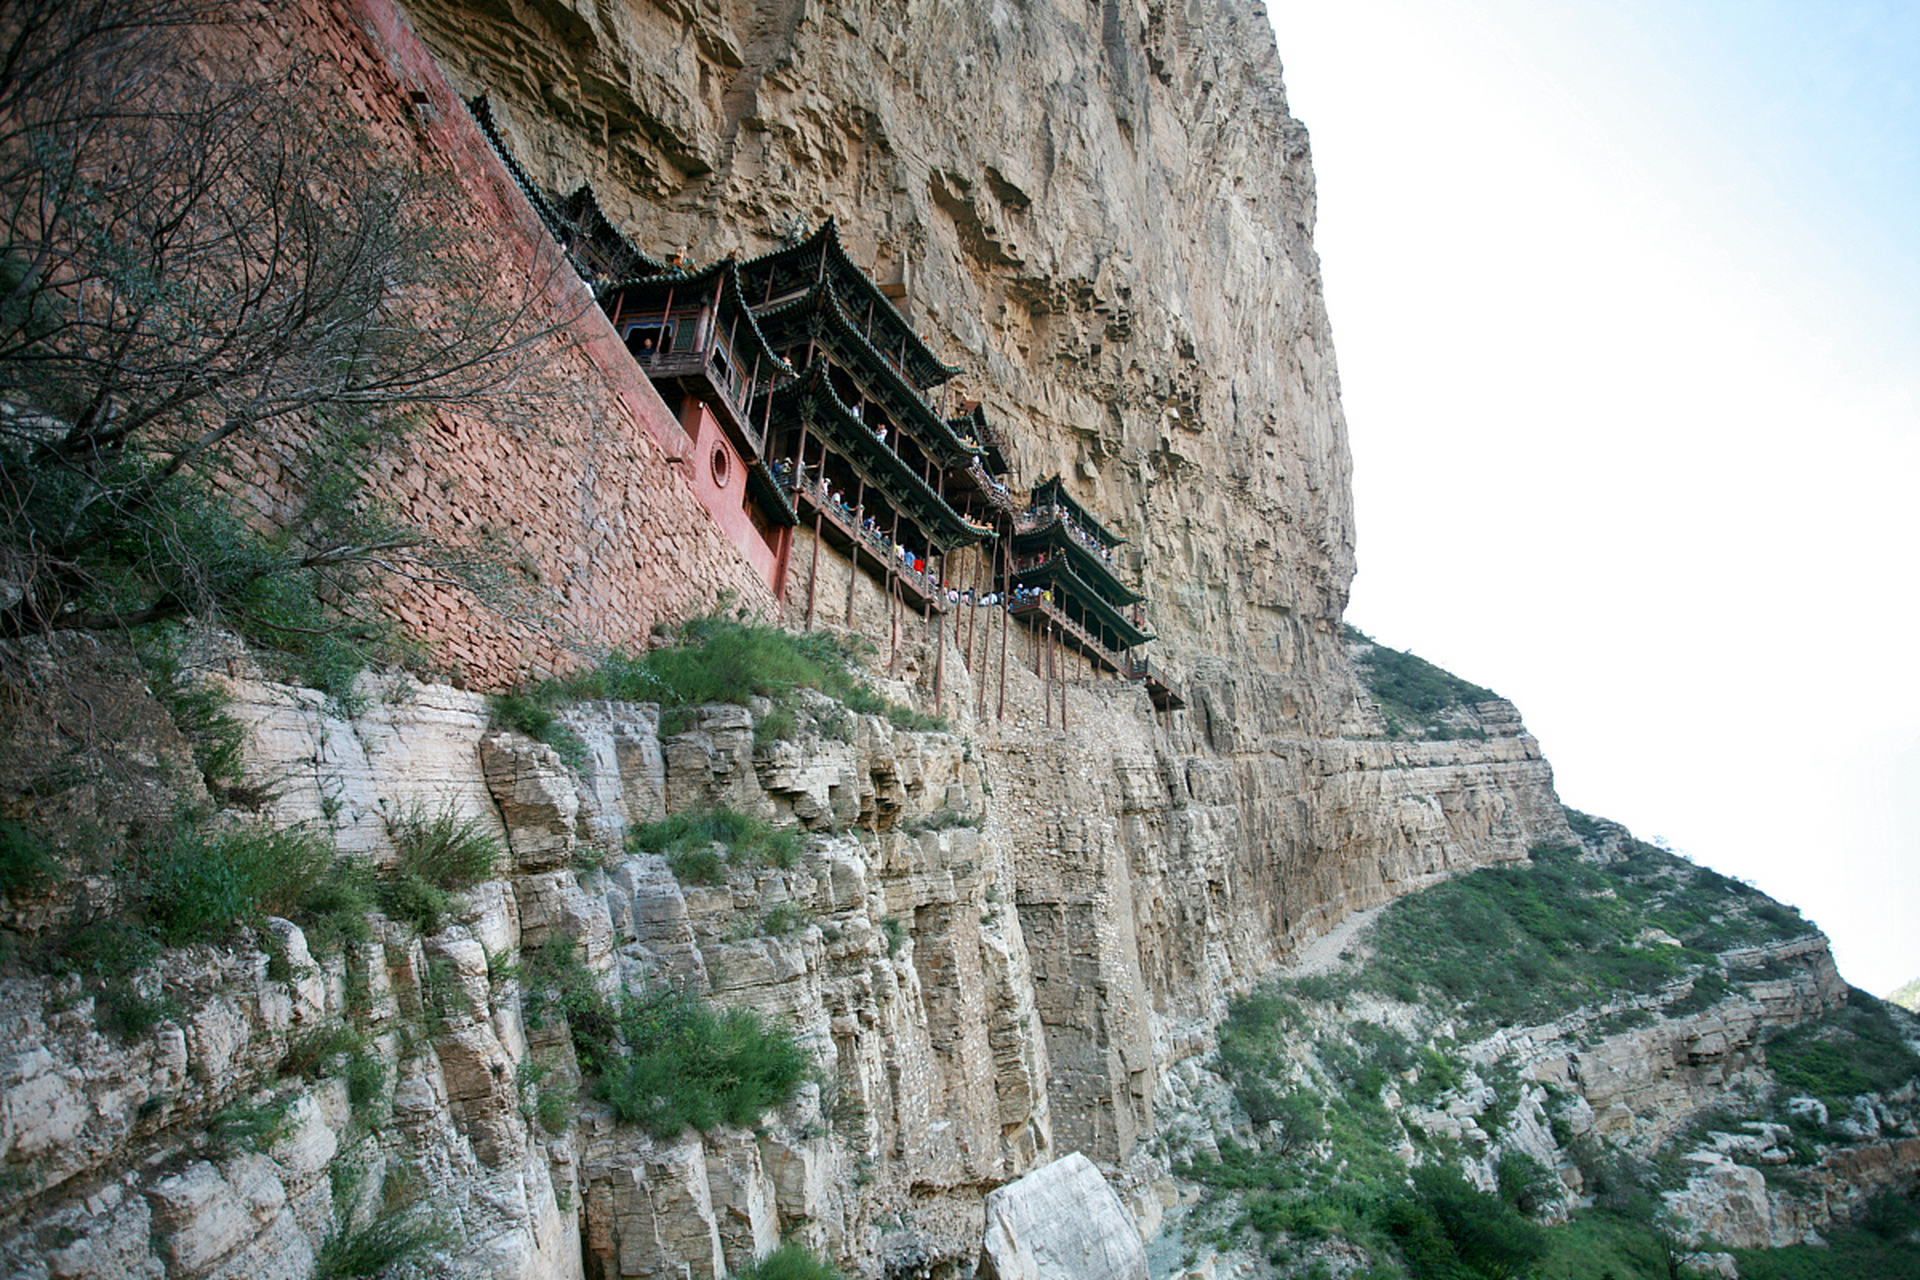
[666,1059]
[688,840]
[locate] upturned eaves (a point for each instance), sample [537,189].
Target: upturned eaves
[821,313]
[822,257]
[812,399]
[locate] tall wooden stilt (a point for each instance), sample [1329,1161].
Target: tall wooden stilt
[1006,626]
[819,510]
[813,567]
[939,660]
[973,605]
[1063,695]
[893,617]
[859,531]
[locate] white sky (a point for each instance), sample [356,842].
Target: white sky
[1626,297]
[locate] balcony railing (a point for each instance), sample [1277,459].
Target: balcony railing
[1039,517]
[920,584]
[1160,687]
[1079,635]
[720,372]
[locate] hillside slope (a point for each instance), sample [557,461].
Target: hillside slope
[1608,1034]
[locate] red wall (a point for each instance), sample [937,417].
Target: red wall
[589,507]
[720,479]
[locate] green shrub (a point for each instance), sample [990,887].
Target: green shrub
[1855,1049]
[309,1056]
[1525,1183]
[1850,1253]
[196,882]
[393,1237]
[777,725]
[445,850]
[687,1064]
[688,840]
[698,866]
[783,918]
[334,910]
[1412,688]
[665,1059]
[408,897]
[528,713]
[436,853]
[26,861]
[249,1126]
[199,709]
[1509,945]
[122,1011]
[789,1262]
[548,1103]
[1448,1227]
[945,820]
[716,659]
[103,948]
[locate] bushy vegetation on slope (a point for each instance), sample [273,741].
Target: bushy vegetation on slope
[1339,1075]
[665,1059]
[715,659]
[1413,694]
[1567,932]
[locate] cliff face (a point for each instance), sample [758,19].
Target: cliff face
[1103,214]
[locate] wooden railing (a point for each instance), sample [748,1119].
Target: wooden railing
[721,373]
[922,588]
[1160,687]
[1082,638]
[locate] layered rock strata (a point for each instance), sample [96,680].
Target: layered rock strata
[978,998]
[1102,213]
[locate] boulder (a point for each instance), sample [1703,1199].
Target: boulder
[1061,1222]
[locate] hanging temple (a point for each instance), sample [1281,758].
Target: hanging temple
[809,406]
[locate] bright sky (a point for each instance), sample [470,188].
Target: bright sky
[1626,296]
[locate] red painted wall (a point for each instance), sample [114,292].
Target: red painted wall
[591,505]
[720,481]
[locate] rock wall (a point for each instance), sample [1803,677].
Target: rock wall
[1103,213]
[987,955]
[560,498]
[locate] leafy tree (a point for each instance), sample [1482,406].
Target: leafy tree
[202,278]
[1447,1228]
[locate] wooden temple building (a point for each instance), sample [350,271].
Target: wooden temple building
[816,418]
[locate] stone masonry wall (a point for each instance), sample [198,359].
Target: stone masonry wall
[573,491]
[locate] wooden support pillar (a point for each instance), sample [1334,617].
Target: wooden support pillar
[926,592]
[1006,626]
[893,587]
[819,510]
[973,605]
[859,536]
[813,566]
[893,619]
[1063,695]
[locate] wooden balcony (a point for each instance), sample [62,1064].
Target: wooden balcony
[837,527]
[1166,695]
[709,374]
[1033,608]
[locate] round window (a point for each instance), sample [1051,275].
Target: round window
[722,466]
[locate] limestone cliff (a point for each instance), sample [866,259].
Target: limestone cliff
[1103,214]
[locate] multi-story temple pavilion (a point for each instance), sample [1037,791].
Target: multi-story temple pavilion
[813,419]
[885,476]
[693,335]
